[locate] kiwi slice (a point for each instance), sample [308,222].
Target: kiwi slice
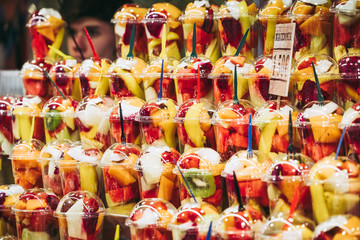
[202,184]
[52,120]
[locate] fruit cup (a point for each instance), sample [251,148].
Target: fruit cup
[231,127]
[351,122]
[156,177]
[149,219]
[25,165]
[156,17]
[207,42]
[201,167]
[303,80]
[80,215]
[130,109]
[92,118]
[59,119]
[343,227]
[6,134]
[49,156]
[34,215]
[234,18]
[249,173]
[125,18]
[8,195]
[156,122]
[62,73]
[318,129]
[334,187]
[194,125]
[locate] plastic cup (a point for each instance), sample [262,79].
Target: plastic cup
[341,226]
[80,170]
[303,79]
[92,118]
[80,215]
[149,219]
[234,18]
[231,122]
[34,215]
[352,148]
[318,129]
[125,18]
[202,169]
[62,73]
[27,111]
[8,195]
[59,119]
[156,122]
[6,133]
[186,75]
[155,170]
[156,17]
[26,168]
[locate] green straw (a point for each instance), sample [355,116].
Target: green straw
[130,55]
[242,42]
[236,99]
[319,95]
[52,81]
[123,137]
[290,149]
[193,53]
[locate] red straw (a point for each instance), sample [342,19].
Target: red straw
[37,44]
[96,56]
[198,85]
[294,203]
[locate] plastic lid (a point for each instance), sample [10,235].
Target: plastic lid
[346,7]
[274,8]
[312,113]
[152,71]
[121,154]
[130,12]
[351,115]
[36,200]
[27,149]
[6,102]
[341,226]
[134,66]
[8,237]
[55,150]
[349,67]
[224,66]
[78,153]
[130,107]
[306,9]
[80,203]
[9,194]
[263,64]
[91,68]
[34,69]
[161,13]
[197,11]
[46,17]
[228,112]
[270,112]
[63,68]
[157,110]
[202,111]
[151,213]
[28,105]
[57,105]
[231,9]
[188,67]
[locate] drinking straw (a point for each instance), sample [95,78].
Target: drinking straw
[96,56]
[52,81]
[242,42]
[238,194]
[193,53]
[60,53]
[320,97]
[208,235]
[186,183]
[290,149]
[198,85]
[340,143]
[123,137]
[130,54]
[249,151]
[235,100]
[161,80]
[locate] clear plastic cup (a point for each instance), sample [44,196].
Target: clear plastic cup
[207,42]
[130,109]
[156,178]
[149,219]
[34,215]
[318,129]
[186,75]
[80,215]
[231,122]
[352,133]
[63,73]
[156,17]
[303,79]
[202,169]
[249,173]
[6,133]
[49,156]
[127,16]
[80,170]
[27,112]
[25,165]
[156,122]
[59,120]
[234,18]
[341,226]
[334,186]
[92,119]
[8,195]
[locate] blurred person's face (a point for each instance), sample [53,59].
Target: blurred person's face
[101,34]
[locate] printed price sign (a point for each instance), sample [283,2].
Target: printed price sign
[282,58]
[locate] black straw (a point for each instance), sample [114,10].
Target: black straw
[123,137]
[238,195]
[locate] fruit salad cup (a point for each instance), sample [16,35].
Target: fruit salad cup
[192,221]
[156,122]
[272,127]
[334,187]
[224,78]
[59,120]
[49,156]
[234,18]
[194,125]
[149,219]
[249,173]
[351,122]
[318,129]
[6,134]
[80,169]
[46,28]
[231,127]
[62,73]
[125,18]
[34,79]
[346,28]
[313,32]
[303,80]
[8,195]
[34,215]
[92,118]
[156,17]
[338,227]
[201,167]
[25,165]
[130,109]
[156,178]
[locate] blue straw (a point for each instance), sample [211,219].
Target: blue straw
[161,80]
[208,236]
[249,150]
[340,143]
[186,183]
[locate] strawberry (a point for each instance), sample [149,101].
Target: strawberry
[215,199]
[307,63]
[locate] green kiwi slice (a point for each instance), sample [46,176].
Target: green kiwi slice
[202,184]
[52,120]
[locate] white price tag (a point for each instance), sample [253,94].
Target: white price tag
[282,58]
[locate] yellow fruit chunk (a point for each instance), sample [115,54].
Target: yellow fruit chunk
[33,204]
[121,175]
[288,187]
[173,12]
[325,128]
[103,86]
[229,222]
[166,188]
[252,8]
[302,9]
[165,218]
[209,209]
[88,178]
[267,134]
[192,125]
[228,114]
[46,31]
